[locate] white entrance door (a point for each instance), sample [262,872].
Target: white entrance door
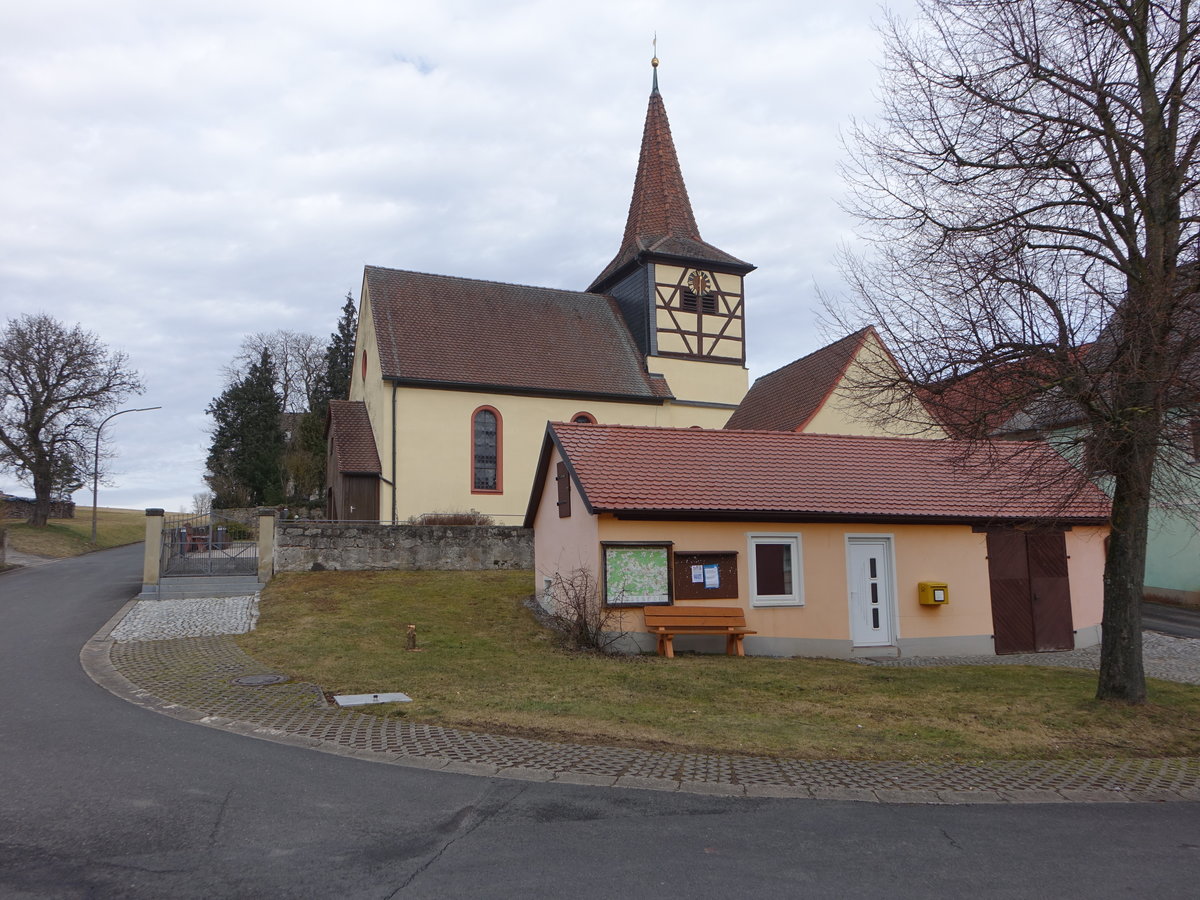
[871,591]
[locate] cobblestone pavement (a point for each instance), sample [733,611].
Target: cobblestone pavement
[193,677]
[156,620]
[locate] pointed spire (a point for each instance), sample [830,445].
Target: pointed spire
[660,213]
[654,65]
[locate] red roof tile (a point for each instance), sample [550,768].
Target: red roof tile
[764,474]
[442,330]
[353,441]
[784,400]
[660,214]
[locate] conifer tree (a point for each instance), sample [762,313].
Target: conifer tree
[245,459]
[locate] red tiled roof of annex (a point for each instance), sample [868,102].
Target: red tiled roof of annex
[353,441]
[441,329]
[821,476]
[784,400]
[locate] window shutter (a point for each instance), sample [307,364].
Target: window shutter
[564,491]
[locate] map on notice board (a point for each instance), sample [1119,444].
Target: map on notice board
[636,576]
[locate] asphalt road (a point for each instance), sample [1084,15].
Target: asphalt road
[99,798]
[1173,620]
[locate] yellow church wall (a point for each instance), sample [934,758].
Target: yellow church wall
[844,412]
[433,455]
[703,381]
[375,394]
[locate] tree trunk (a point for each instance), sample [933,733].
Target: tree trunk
[41,502]
[1122,676]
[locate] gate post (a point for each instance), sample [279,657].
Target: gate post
[152,563]
[266,545]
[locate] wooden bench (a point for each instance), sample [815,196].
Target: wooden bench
[668,621]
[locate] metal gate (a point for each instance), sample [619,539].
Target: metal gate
[209,545]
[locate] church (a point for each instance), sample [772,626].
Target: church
[455,378]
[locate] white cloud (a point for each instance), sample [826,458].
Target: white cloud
[176,175]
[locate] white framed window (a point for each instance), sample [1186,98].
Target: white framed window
[776,570]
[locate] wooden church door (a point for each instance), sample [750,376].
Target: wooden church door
[1031,593]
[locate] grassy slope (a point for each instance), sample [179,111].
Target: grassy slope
[486,663]
[71,537]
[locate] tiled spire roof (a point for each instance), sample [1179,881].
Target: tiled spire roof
[661,220]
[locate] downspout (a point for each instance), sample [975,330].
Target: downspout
[394,516]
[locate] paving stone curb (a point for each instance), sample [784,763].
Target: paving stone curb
[191,679]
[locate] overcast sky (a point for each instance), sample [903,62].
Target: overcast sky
[174,175]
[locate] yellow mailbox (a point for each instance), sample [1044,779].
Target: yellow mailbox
[933,593]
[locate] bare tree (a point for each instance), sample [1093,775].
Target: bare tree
[1028,198]
[574,610]
[56,382]
[299,360]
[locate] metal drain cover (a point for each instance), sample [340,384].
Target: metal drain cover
[259,680]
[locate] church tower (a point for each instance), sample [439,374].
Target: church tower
[682,297]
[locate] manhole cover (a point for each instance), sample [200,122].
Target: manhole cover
[258,680]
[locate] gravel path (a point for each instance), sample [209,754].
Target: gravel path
[1165,657]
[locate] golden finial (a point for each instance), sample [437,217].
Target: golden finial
[654,61]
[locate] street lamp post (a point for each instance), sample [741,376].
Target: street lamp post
[96,460]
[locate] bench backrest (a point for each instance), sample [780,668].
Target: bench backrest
[715,616]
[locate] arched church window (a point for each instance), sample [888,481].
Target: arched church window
[583,418]
[485,451]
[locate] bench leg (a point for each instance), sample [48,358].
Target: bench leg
[666,643]
[733,645]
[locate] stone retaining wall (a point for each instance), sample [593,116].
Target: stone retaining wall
[317,546]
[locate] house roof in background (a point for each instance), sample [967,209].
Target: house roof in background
[446,331]
[785,400]
[692,473]
[353,440]
[661,221]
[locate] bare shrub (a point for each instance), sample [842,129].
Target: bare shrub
[573,610]
[451,517]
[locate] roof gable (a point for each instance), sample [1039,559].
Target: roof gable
[461,332]
[762,474]
[786,399]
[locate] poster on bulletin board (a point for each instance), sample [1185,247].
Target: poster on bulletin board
[705,574]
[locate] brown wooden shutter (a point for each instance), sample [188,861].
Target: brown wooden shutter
[564,491]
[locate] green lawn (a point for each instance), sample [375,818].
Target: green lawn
[71,537]
[485,663]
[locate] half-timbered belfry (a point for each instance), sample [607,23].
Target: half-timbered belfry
[455,378]
[681,296]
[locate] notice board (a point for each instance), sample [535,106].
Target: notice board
[706,575]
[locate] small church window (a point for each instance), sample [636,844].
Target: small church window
[583,418]
[485,450]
